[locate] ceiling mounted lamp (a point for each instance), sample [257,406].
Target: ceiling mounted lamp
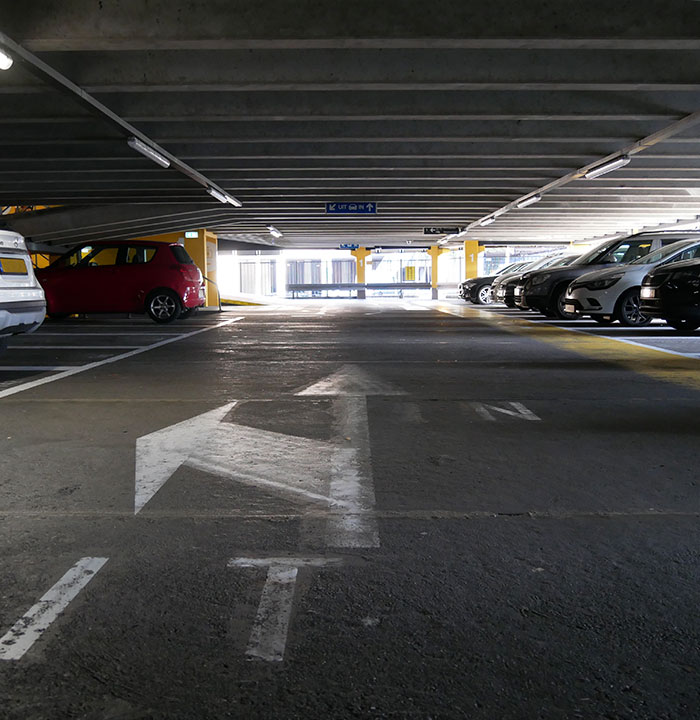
[147,151]
[487,221]
[607,167]
[224,197]
[528,201]
[5,61]
[274,231]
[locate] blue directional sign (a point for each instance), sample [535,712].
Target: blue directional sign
[348,246]
[351,208]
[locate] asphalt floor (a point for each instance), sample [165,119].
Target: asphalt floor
[379,509]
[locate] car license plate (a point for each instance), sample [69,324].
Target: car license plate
[648,292]
[570,308]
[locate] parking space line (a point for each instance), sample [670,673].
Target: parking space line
[73,347]
[110,334]
[91,366]
[36,368]
[29,628]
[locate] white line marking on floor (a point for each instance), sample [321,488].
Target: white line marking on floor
[36,368]
[516,410]
[74,347]
[29,628]
[351,471]
[257,481]
[268,636]
[91,366]
[296,467]
[155,333]
[310,561]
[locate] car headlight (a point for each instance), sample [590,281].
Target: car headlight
[539,279]
[602,284]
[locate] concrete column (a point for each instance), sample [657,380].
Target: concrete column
[360,256]
[471,258]
[434,251]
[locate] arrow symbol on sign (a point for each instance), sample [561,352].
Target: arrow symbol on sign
[352,487]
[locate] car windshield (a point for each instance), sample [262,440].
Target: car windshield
[564,261]
[661,254]
[592,255]
[511,268]
[619,251]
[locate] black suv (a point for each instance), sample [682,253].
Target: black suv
[672,292]
[545,290]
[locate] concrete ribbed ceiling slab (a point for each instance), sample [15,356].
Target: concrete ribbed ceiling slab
[441,114]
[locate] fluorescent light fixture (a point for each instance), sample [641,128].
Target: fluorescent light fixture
[487,221]
[224,197]
[607,167]
[274,231]
[217,195]
[528,201]
[148,151]
[5,61]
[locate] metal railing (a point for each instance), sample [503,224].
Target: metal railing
[295,288]
[218,294]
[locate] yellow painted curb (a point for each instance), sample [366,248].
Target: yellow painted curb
[240,302]
[647,361]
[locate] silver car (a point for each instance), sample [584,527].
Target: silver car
[22,303]
[613,293]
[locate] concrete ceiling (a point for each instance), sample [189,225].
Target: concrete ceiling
[442,113]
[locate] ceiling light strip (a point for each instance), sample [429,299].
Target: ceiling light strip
[48,74]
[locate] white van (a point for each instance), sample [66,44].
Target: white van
[22,303]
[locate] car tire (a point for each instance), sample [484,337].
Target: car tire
[163,306]
[510,303]
[557,306]
[483,295]
[683,325]
[628,311]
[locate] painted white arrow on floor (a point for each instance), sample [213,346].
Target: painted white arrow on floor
[336,474]
[352,524]
[283,464]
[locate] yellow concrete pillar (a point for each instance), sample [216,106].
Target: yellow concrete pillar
[360,256]
[435,251]
[471,258]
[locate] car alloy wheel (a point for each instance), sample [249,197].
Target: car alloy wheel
[629,311]
[484,296]
[163,306]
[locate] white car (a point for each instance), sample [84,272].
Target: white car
[22,303]
[613,293]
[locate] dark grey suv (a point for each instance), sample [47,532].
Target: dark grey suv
[544,290]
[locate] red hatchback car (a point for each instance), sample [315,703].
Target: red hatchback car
[158,278]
